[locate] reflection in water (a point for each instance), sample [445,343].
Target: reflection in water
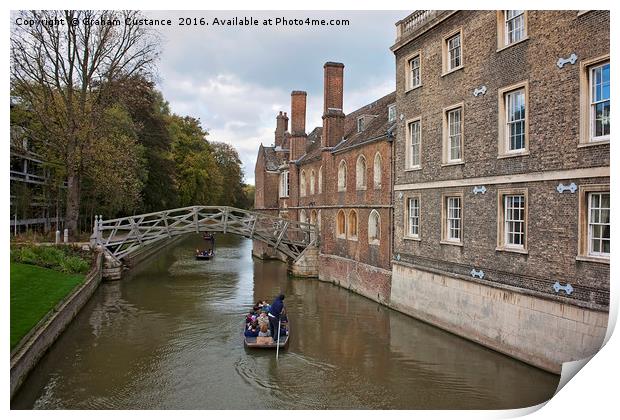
[168,336]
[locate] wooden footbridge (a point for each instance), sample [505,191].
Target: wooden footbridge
[125,236]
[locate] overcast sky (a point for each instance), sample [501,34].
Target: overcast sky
[236,79]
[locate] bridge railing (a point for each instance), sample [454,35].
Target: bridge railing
[125,235]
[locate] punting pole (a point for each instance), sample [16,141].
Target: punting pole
[278,344]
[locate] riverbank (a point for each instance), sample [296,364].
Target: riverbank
[43,303]
[35,291]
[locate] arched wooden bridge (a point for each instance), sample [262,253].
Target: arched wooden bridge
[126,235]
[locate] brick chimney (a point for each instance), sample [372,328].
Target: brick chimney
[298,124]
[333,116]
[281,127]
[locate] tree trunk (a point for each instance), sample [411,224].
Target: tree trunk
[73,204]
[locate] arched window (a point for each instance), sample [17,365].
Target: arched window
[303,218]
[374,228]
[341,224]
[320,180]
[360,173]
[318,221]
[352,225]
[377,171]
[342,176]
[302,184]
[312,179]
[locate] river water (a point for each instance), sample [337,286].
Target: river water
[168,336]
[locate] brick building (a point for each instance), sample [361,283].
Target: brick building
[339,177]
[501,178]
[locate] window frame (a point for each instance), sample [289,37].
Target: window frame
[445,197]
[390,108]
[502,244]
[361,183]
[502,123]
[377,239]
[446,60]
[320,180]
[408,217]
[284,181]
[409,166]
[342,166]
[502,37]
[585,117]
[409,71]
[583,253]
[339,234]
[360,124]
[312,181]
[377,177]
[353,236]
[303,183]
[446,161]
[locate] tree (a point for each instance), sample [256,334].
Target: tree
[229,165]
[197,174]
[63,72]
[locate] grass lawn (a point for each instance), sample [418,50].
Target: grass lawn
[34,292]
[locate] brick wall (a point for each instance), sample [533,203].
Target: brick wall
[553,109]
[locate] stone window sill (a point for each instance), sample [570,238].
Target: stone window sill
[413,168]
[593,143]
[413,88]
[412,238]
[514,250]
[515,154]
[446,242]
[591,258]
[453,70]
[460,162]
[512,45]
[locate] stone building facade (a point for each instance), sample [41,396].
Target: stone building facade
[501,178]
[339,177]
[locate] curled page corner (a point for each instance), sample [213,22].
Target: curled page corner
[570,369]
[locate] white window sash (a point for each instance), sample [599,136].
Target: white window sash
[510,222]
[414,144]
[454,224]
[455,134]
[592,224]
[511,102]
[594,102]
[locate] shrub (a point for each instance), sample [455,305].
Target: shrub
[28,256]
[49,256]
[74,265]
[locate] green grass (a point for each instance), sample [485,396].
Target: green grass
[34,292]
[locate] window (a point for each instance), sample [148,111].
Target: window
[374,228]
[453,135]
[452,218]
[414,74]
[594,223]
[312,181]
[414,142]
[302,184]
[320,180]
[511,27]
[392,113]
[452,52]
[360,124]
[413,217]
[360,173]
[352,234]
[303,218]
[515,26]
[598,224]
[599,102]
[594,115]
[342,176]
[512,220]
[377,171]
[313,220]
[284,187]
[341,224]
[513,120]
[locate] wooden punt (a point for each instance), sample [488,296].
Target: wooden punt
[266,342]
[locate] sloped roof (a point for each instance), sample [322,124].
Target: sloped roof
[376,127]
[271,158]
